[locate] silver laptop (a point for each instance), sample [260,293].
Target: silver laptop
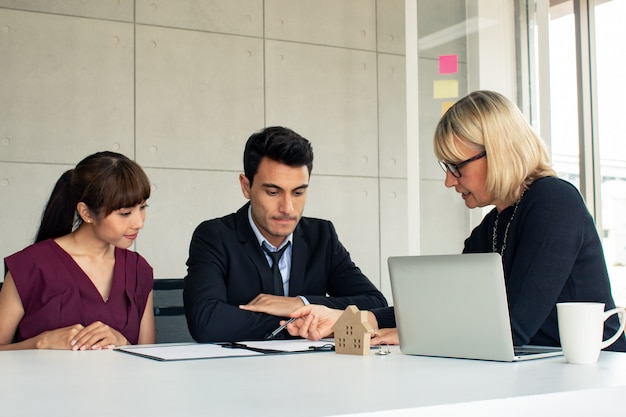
[455,306]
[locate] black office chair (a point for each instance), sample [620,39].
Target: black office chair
[169,314]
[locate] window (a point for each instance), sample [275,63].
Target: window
[606,144]
[563,92]
[610,33]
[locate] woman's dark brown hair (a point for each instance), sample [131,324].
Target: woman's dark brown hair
[105,181]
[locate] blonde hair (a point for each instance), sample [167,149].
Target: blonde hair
[486,120]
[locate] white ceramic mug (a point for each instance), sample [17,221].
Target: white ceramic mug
[581,329]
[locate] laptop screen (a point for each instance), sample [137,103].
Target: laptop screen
[452,306]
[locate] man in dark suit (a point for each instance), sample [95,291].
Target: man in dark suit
[231,292]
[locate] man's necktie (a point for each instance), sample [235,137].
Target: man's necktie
[278,279]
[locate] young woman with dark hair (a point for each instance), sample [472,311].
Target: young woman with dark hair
[78,286]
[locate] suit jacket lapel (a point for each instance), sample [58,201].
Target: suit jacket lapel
[299,255]
[253,251]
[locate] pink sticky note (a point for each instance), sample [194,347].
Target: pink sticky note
[448,64]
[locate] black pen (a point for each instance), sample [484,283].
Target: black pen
[278,330]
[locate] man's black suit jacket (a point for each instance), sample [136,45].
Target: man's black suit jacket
[227,268]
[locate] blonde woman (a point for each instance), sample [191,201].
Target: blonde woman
[540,225]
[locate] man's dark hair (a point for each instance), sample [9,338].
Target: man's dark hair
[279,144]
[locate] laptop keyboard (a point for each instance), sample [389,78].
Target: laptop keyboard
[533,350]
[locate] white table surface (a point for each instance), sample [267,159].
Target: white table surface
[110,383]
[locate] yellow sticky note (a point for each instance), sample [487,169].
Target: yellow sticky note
[445,88]
[445,106]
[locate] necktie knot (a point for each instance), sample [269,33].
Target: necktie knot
[277,277]
[275,255]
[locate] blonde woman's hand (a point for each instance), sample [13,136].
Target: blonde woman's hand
[385,336]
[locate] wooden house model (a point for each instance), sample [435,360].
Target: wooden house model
[352,332]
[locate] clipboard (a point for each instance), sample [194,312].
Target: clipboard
[193,351]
